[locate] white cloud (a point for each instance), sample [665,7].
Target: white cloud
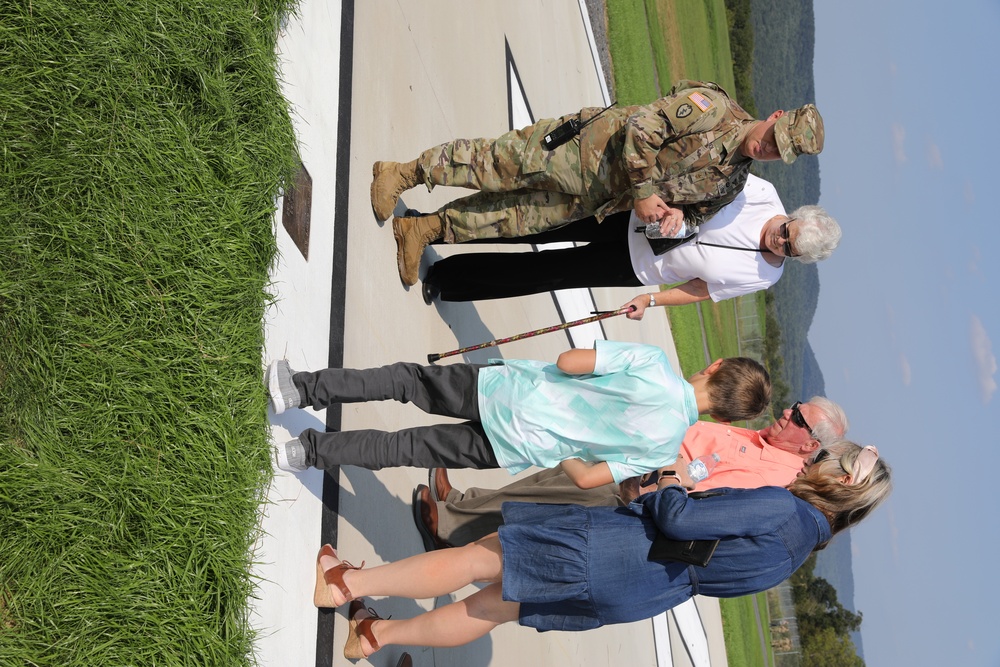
[934,156]
[985,360]
[898,137]
[904,365]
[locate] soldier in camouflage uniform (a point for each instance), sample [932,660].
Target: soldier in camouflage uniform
[685,156]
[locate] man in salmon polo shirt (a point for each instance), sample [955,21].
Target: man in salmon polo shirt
[769,457]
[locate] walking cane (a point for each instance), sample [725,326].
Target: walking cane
[537,332]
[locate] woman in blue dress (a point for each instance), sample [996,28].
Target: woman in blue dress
[567,567]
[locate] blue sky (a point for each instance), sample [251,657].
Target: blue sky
[908,310]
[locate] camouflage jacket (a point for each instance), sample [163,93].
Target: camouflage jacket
[683,147]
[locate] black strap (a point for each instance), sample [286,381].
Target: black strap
[661,246]
[597,115]
[731,247]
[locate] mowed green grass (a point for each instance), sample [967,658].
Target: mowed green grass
[703,34]
[720,328]
[688,339]
[658,42]
[628,38]
[659,35]
[144,146]
[740,625]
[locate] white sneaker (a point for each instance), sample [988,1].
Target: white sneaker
[291,456]
[283,392]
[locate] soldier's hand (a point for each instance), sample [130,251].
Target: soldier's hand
[671,221]
[651,209]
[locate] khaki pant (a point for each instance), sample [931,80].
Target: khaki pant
[467,517]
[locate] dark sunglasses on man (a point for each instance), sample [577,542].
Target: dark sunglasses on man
[797,417]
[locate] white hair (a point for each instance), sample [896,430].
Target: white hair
[834,425]
[819,234]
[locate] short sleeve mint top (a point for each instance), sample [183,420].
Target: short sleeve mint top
[632,412]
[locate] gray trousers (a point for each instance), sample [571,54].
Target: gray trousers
[451,390]
[467,517]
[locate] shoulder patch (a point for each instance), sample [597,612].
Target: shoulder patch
[701,101]
[693,110]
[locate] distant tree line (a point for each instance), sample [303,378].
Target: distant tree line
[823,622]
[741,46]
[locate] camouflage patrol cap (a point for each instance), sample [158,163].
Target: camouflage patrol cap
[799,131]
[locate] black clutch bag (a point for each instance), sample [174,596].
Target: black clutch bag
[692,552]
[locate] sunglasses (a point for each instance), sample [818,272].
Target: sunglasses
[787,245]
[797,417]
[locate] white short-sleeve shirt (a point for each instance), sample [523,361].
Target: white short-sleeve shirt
[727,272]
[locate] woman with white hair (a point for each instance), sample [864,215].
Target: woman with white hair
[740,250]
[579,568]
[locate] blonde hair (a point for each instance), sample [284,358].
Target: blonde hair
[739,389]
[843,504]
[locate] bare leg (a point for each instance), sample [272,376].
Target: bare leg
[426,575]
[452,625]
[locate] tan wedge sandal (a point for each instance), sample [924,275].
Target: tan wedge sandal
[332,577]
[353,649]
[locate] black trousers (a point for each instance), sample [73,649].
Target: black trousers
[451,390]
[604,262]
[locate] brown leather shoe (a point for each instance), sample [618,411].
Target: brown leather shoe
[430,291]
[425,516]
[437,480]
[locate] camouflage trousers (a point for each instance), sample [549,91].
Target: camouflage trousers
[524,189]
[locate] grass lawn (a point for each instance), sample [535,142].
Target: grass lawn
[695,36]
[703,31]
[144,146]
[720,328]
[686,329]
[740,625]
[629,43]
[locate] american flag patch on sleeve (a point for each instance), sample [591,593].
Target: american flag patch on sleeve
[701,101]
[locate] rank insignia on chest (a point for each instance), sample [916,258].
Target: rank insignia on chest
[684,110]
[701,101]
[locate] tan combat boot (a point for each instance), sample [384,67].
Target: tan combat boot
[389,180]
[412,236]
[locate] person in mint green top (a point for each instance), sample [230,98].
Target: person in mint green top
[623,405]
[604,414]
